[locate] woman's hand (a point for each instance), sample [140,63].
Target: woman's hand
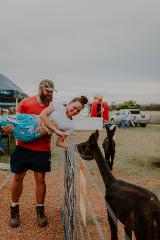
[62,134]
[61,142]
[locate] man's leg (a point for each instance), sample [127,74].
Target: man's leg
[40,187]
[17,186]
[16,190]
[40,197]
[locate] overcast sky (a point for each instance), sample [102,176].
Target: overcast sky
[86,46]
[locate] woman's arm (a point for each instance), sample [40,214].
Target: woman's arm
[44,116]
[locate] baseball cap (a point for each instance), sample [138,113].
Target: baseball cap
[47,84]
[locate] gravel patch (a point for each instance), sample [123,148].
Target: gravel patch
[28,226]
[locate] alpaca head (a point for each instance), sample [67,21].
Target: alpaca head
[110,130]
[85,149]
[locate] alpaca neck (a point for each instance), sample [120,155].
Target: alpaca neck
[106,174]
[110,141]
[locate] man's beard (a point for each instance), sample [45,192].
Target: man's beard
[45,100]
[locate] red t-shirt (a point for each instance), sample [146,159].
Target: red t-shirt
[31,106]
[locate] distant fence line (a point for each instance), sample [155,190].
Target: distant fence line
[155,119]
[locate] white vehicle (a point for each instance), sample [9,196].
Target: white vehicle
[133,117]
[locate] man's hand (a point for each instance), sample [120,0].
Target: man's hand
[8,129]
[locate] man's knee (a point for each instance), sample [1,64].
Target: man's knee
[18,177]
[39,178]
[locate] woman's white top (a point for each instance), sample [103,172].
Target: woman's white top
[60,118]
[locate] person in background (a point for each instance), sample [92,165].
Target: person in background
[33,155]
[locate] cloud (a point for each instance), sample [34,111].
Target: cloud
[110,47]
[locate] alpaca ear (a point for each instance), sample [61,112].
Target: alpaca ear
[96,134]
[114,129]
[106,126]
[94,137]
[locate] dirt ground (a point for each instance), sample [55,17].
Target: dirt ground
[137,160]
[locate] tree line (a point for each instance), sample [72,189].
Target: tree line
[135,105]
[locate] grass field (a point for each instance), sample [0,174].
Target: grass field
[137,157]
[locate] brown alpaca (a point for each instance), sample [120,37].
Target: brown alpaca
[109,145]
[137,208]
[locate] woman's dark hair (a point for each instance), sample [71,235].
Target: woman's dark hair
[83,100]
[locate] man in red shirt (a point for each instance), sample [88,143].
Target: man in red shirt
[33,155]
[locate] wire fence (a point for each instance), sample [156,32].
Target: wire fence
[70,221]
[74,227]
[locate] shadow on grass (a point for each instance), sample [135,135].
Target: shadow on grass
[156,164]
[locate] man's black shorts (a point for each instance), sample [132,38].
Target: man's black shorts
[23,159]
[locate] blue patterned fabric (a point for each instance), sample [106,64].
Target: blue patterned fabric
[26,127]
